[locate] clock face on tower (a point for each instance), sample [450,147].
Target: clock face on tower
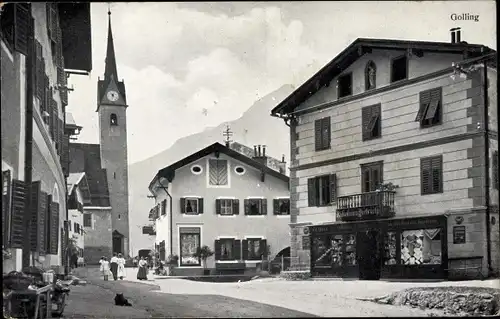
[112,96]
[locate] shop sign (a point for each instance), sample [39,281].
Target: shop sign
[459,234]
[341,214]
[424,222]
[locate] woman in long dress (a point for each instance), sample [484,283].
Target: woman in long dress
[114,266]
[142,273]
[121,267]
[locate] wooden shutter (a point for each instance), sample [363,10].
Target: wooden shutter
[437,174]
[47,224]
[374,120]
[35,207]
[217,206]
[326,132]
[6,216]
[200,205]
[425,99]
[22,24]
[183,205]
[39,76]
[247,206]
[164,207]
[317,135]
[264,206]
[212,172]
[425,176]
[65,154]
[222,172]
[19,193]
[263,248]
[236,206]
[495,170]
[311,191]
[366,116]
[45,102]
[217,249]
[276,206]
[333,188]
[244,249]
[54,228]
[236,249]
[435,95]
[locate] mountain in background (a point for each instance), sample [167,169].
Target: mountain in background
[254,127]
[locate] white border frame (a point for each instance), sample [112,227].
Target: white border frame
[252,237]
[282,216]
[226,216]
[192,215]
[238,166]
[196,165]
[255,216]
[179,243]
[208,172]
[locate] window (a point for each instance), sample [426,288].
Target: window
[344,83]
[196,169]
[87,220]
[421,247]
[191,206]
[113,120]
[371,176]
[430,110]
[218,172]
[371,118]
[114,175]
[322,133]
[189,241]
[322,190]
[6,211]
[75,227]
[15,25]
[69,226]
[370,76]
[255,206]
[399,69]
[431,175]
[227,249]
[253,249]
[281,206]
[239,170]
[495,169]
[390,247]
[227,207]
[164,207]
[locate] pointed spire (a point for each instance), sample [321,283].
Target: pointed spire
[110,70]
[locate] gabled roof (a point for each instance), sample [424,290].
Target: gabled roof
[216,147]
[79,180]
[360,46]
[87,158]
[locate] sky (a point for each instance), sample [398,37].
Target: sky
[192,65]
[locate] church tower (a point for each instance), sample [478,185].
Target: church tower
[112,109]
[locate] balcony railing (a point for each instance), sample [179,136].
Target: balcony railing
[371,205]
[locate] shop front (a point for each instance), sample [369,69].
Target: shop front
[385,248]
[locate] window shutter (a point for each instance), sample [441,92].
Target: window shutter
[200,205]
[366,115]
[164,207]
[311,191]
[222,172]
[437,174]
[217,249]
[19,193]
[65,154]
[236,249]
[425,172]
[425,99]
[495,169]
[54,228]
[183,205]
[47,224]
[333,188]
[263,248]
[47,107]
[35,207]
[22,23]
[326,133]
[6,216]
[264,206]
[217,206]
[317,134]
[236,206]
[435,95]
[247,206]
[244,249]
[212,172]
[39,76]
[276,206]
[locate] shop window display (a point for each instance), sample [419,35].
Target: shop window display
[337,242]
[390,248]
[350,250]
[421,247]
[321,251]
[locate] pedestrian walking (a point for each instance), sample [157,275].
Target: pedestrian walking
[121,267]
[114,266]
[142,273]
[74,261]
[104,267]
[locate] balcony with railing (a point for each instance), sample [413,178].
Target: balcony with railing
[370,205]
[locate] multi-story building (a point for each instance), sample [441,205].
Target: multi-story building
[394,161]
[235,204]
[78,196]
[41,45]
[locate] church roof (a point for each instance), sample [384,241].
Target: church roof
[360,46]
[87,158]
[217,147]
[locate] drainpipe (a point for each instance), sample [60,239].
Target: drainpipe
[171,219]
[487,165]
[28,145]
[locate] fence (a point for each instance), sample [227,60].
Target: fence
[281,263]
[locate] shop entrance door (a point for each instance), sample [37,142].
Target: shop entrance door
[368,253]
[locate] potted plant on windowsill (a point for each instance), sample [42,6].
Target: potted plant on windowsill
[203,253]
[172,262]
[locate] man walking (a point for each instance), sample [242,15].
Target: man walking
[114,266]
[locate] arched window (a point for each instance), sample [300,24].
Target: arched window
[55,194]
[370,76]
[113,120]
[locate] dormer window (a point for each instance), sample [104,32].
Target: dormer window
[113,120]
[399,68]
[344,85]
[370,76]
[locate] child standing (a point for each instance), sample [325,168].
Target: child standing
[105,268]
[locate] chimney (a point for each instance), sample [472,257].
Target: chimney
[259,151]
[455,35]
[260,154]
[282,165]
[255,151]
[263,151]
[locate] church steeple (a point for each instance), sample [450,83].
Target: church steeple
[110,69]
